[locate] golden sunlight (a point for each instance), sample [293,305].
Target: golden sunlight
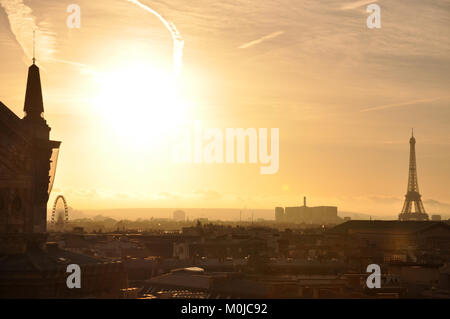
[139,102]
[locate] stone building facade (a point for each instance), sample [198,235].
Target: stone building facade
[29,266]
[27,165]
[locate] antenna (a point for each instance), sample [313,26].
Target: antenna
[412,132]
[34,46]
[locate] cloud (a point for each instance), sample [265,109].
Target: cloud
[262,39]
[208,194]
[437,204]
[357,4]
[122,196]
[388,106]
[23,23]
[167,195]
[81,65]
[385,199]
[87,193]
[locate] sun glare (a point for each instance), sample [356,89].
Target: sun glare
[140,103]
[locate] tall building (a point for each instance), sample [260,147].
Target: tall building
[29,266]
[27,166]
[279,214]
[179,216]
[413,197]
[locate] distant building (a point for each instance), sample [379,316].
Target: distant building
[436,218]
[395,235]
[179,216]
[202,220]
[78,230]
[279,214]
[309,215]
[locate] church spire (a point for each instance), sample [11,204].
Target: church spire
[34,106]
[34,46]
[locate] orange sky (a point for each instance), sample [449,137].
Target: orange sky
[343,96]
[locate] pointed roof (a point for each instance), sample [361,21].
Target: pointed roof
[34,105]
[9,120]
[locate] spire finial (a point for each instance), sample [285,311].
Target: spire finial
[412,132]
[34,46]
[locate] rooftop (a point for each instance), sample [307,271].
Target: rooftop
[386,226]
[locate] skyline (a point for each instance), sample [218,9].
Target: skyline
[344,115]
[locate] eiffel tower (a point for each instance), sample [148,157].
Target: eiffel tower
[412,194]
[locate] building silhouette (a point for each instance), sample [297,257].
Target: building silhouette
[413,197]
[179,216]
[308,215]
[27,167]
[30,267]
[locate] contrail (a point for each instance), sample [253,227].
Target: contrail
[388,106]
[262,39]
[81,65]
[178,42]
[23,23]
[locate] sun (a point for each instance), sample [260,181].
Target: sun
[139,102]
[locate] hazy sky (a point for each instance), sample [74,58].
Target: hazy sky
[343,96]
